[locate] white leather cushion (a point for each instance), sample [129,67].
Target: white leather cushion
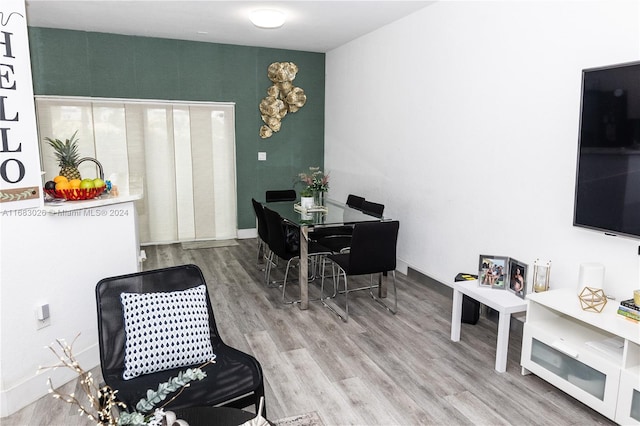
[165,330]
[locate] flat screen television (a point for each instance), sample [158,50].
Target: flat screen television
[607,196]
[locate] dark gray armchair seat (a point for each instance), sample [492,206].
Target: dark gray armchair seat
[235,379]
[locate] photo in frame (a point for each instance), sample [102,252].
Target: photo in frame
[493,271]
[517,278]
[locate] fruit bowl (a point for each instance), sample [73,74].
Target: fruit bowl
[75,194]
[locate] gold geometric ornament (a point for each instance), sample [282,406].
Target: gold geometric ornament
[592,299]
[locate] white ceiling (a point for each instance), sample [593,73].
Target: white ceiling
[315,26]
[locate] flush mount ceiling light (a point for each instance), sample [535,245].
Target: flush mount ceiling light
[267,18]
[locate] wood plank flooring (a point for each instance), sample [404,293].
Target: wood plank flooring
[377,369]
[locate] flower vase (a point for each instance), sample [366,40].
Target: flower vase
[318,198]
[307,202]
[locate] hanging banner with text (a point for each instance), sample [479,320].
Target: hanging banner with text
[20,178]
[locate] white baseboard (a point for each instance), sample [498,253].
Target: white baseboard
[402,266]
[35,387]
[244,234]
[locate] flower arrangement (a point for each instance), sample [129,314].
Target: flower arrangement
[104,408]
[306,192]
[315,179]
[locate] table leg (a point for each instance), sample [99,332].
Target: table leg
[502,347]
[456,315]
[303,274]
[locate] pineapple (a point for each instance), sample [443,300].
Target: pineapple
[67,155]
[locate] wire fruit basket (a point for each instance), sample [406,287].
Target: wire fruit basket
[78,194]
[75,194]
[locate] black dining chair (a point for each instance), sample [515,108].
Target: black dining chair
[141,348]
[263,235]
[338,238]
[373,251]
[280,195]
[280,248]
[339,241]
[355,201]
[373,209]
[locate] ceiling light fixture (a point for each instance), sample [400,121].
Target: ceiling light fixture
[267,18]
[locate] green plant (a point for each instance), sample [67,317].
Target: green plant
[306,192]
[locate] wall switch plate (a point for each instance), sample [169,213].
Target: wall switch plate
[262,156]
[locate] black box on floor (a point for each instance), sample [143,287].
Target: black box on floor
[470,310]
[470,307]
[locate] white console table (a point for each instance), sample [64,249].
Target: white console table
[594,357]
[503,301]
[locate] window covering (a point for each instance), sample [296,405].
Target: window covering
[181,154]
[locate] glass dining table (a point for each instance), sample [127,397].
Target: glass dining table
[335,214]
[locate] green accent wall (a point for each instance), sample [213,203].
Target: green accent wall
[77,63]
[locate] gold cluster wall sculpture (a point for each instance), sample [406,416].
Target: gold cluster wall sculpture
[282,97]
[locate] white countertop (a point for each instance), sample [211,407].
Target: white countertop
[101,201]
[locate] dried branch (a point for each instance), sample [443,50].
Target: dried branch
[103,408]
[102,400]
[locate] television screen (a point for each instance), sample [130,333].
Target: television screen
[608,172]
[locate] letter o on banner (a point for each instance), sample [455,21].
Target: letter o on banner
[4,170]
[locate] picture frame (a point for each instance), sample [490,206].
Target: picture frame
[493,271]
[517,278]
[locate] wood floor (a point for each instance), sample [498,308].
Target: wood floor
[377,369]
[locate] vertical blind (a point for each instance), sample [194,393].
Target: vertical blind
[182,155]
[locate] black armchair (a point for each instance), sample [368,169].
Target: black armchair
[234,380]
[373,251]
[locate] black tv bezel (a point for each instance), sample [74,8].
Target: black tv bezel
[606,231]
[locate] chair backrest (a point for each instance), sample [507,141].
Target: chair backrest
[355,201]
[111,329]
[374,209]
[281,195]
[277,236]
[373,247]
[263,232]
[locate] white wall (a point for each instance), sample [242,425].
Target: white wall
[56,260]
[463,120]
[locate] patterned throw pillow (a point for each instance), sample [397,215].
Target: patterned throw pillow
[165,330]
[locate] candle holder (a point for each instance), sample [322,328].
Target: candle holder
[541,276]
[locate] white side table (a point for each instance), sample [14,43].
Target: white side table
[503,301]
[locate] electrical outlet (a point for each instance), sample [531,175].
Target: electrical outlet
[43,317]
[262,156]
